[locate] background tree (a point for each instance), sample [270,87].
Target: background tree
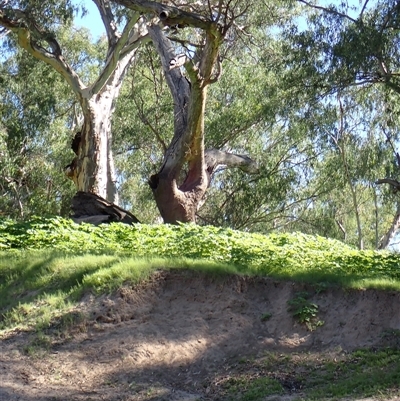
[240,118]
[39,114]
[34,115]
[343,47]
[318,143]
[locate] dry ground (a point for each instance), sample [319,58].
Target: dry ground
[181,334]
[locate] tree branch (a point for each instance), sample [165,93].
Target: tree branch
[363,9]
[177,83]
[215,158]
[394,183]
[327,10]
[169,15]
[394,227]
[180,89]
[4,32]
[108,21]
[55,59]
[145,120]
[218,73]
[116,50]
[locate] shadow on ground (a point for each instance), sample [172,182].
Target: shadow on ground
[187,336]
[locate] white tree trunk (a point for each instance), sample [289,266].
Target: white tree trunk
[95,170]
[394,227]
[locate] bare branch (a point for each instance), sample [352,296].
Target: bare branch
[394,183]
[210,11]
[342,228]
[215,157]
[218,74]
[169,15]
[53,58]
[390,142]
[108,21]
[363,9]
[139,32]
[394,227]
[178,85]
[4,32]
[184,43]
[327,10]
[57,62]
[219,13]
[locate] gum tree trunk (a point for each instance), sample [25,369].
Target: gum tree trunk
[393,230]
[177,198]
[93,168]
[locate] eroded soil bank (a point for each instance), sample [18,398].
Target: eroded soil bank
[182,335]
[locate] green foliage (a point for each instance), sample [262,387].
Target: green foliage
[352,375]
[46,264]
[266,316]
[270,103]
[287,255]
[36,119]
[305,311]
[341,51]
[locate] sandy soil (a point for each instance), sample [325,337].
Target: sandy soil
[176,336]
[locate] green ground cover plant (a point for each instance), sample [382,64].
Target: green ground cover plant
[304,311]
[288,255]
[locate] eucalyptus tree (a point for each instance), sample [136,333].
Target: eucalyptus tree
[33,25]
[241,117]
[352,44]
[192,40]
[215,28]
[354,157]
[251,110]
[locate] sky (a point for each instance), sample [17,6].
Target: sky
[92,20]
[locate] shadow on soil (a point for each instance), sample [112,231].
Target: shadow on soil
[187,336]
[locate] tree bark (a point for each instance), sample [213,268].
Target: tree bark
[394,228]
[91,208]
[93,169]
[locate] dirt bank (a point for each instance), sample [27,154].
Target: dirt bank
[177,335]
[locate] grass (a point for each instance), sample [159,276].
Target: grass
[334,376]
[48,264]
[38,286]
[246,388]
